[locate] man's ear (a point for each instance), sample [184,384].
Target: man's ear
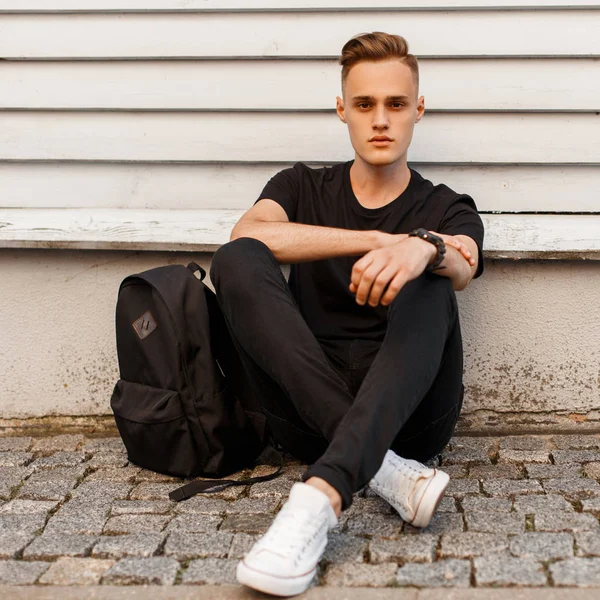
[339,109]
[420,108]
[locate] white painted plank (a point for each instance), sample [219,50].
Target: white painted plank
[236,186]
[505,84]
[278,137]
[517,236]
[168,35]
[276,5]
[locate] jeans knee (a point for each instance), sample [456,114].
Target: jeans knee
[232,261]
[427,289]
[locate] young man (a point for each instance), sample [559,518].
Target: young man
[357,362]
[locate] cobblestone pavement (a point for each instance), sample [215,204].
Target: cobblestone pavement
[519,511]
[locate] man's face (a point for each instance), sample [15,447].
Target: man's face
[380,101]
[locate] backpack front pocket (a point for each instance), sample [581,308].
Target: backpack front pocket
[154,428]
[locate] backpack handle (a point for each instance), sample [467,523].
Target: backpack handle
[200,486]
[193,267]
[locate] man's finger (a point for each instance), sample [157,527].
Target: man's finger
[380,283]
[366,281]
[394,288]
[359,268]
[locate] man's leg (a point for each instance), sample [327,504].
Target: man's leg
[303,396]
[421,346]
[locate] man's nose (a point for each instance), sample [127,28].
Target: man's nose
[380,118]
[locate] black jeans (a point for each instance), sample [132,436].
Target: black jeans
[341,405]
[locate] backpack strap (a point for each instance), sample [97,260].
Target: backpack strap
[201,486]
[193,267]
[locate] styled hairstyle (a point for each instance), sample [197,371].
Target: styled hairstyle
[377,46]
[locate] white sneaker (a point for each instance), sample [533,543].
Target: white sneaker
[413,489]
[284,561]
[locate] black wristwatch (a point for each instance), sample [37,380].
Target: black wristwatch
[437,241]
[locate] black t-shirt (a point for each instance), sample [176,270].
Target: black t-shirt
[324,197]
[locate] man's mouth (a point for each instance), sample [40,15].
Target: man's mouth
[380,138]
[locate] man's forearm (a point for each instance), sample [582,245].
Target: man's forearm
[295,242]
[456,268]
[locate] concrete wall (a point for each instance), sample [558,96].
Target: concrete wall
[531,334]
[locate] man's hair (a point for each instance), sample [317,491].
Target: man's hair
[377,46]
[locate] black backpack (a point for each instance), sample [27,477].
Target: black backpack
[180,403]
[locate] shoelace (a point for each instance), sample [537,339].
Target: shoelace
[298,529]
[399,481]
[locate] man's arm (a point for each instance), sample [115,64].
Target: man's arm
[379,275]
[294,242]
[455,266]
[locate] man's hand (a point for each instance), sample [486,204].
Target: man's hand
[389,268]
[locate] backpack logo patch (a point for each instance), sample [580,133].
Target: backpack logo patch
[145,325]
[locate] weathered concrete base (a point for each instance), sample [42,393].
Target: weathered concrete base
[531,333]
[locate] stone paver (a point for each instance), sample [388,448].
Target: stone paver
[443,573]
[510,487]
[534,504]
[30,523]
[581,572]
[28,507]
[342,548]
[141,545]
[501,471]
[136,524]
[76,571]
[472,543]
[141,507]
[588,543]
[58,443]
[60,459]
[12,543]
[495,522]
[482,504]
[553,471]
[52,546]
[200,523]
[15,444]
[359,575]
[211,571]
[74,512]
[413,548]
[198,545]
[508,570]
[542,546]
[524,456]
[16,572]
[157,570]
[15,459]
[565,521]
[242,542]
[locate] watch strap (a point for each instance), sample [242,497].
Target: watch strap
[437,241]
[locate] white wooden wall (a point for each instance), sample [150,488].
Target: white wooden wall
[194,104]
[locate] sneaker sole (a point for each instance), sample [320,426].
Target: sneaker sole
[431,499]
[271,584]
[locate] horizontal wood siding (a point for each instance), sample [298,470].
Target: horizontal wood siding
[488,85]
[213,186]
[317,34]
[194,104]
[275,137]
[281,5]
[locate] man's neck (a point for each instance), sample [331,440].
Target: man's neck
[377,185]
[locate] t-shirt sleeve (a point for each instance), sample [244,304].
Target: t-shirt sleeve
[462,218]
[283,188]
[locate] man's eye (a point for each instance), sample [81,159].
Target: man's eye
[397,104]
[363,105]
